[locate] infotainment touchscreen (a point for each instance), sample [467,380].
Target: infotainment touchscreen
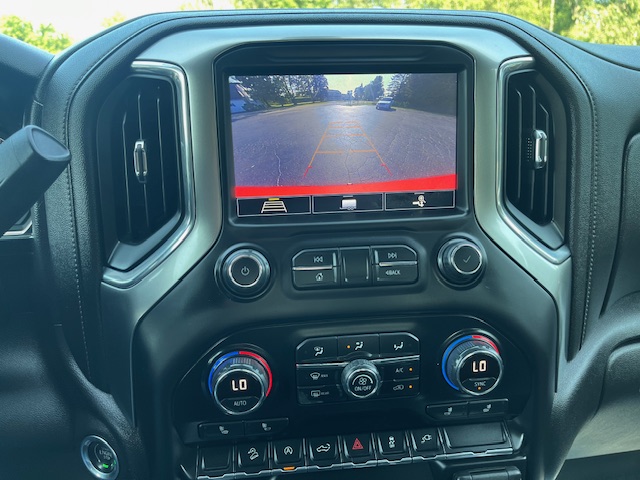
[336,143]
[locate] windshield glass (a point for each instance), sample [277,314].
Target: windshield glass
[54,25]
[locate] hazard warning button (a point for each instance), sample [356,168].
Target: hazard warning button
[358,448]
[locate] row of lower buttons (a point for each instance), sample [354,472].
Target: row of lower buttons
[349,451]
[355,266]
[462,410]
[250,428]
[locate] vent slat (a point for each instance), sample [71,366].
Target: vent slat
[146,199]
[529,126]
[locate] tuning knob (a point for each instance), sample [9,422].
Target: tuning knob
[460,261]
[239,382]
[361,379]
[472,364]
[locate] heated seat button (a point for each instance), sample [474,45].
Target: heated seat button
[266,427]
[392,445]
[449,411]
[356,267]
[288,453]
[358,448]
[487,408]
[323,451]
[252,457]
[398,345]
[218,431]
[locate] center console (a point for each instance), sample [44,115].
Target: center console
[352,313]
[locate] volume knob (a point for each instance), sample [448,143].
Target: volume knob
[239,382]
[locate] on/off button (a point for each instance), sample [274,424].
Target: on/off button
[245,271]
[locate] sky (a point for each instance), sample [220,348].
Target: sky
[82,18]
[347,82]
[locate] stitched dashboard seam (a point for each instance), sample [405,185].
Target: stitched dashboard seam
[76,266]
[593,223]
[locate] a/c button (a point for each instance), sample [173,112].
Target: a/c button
[397,274]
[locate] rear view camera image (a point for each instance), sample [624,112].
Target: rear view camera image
[343,134]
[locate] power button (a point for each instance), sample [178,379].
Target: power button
[245,273]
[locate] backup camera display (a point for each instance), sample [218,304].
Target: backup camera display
[305,144]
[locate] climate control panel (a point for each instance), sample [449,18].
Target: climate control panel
[358,367]
[304,379]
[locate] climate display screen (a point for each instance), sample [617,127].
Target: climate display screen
[316,144]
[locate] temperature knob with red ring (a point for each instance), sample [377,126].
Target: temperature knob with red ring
[239,382]
[472,364]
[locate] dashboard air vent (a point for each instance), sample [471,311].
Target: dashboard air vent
[143,168]
[531,155]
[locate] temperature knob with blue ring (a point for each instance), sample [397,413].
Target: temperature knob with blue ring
[239,382]
[472,364]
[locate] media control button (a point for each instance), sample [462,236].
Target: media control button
[317,350]
[392,445]
[288,453]
[400,388]
[396,274]
[352,346]
[488,408]
[266,427]
[315,278]
[356,267]
[326,258]
[452,411]
[398,345]
[324,394]
[425,440]
[393,254]
[400,370]
[358,448]
[309,376]
[253,457]
[218,431]
[216,459]
[323,451]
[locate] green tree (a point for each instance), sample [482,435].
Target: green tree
[607,22]
[114,19]
[44,36]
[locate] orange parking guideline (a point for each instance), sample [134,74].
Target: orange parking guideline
[341,126]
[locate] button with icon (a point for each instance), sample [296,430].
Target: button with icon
[488,408]
[425,440]
[357,448]
[216,431]
[288,453]
[253,458]
[398,344]
[392,445]
[448,411]
[270,426]
[313,278]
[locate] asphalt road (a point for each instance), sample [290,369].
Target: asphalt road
[337,144]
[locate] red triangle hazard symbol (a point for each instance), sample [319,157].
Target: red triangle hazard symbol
[357,445]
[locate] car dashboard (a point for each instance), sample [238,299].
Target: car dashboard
[231,280]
